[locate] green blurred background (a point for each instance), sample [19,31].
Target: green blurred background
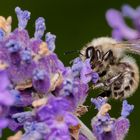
[76,22]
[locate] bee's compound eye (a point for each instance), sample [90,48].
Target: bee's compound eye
[90,52]
[108,55]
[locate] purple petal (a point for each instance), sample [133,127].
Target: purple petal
[117,34]
[4,80]
[6,98]
[77,67]
[13,125]
[58,134]
[71,120]
[128,11]
[95,77]
[115,18]
[22,98]
[82,137]
[86,72]
[121,128]
[3,123]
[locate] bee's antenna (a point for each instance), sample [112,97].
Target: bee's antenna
[71,52]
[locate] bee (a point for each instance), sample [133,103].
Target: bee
[118,72]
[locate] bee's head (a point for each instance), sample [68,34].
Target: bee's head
[99,60]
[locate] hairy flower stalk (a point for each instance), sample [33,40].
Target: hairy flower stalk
[86,131]
[40,98]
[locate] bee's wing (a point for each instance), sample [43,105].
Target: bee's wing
[132,46]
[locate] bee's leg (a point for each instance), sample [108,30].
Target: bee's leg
[99,85]
[106,93]
[106,83]
[112,80]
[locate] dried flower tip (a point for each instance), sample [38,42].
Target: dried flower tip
[17,136]
[39,28]
[39,102]
[43,49]
[104,109]
[50,39]
[3,65]
[23,17]
[75,131]
[22,86]
[56,80]
[5,24]
[81,110]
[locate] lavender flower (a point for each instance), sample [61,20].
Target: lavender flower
[57,116]
[99,102]
[120,29]
[107,128]
[73,88]
[83,69]
[126,109]
[23,17]
[41,96]
[35,131]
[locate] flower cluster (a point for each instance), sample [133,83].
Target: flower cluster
[107,128]
[116,21]
[41,96]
